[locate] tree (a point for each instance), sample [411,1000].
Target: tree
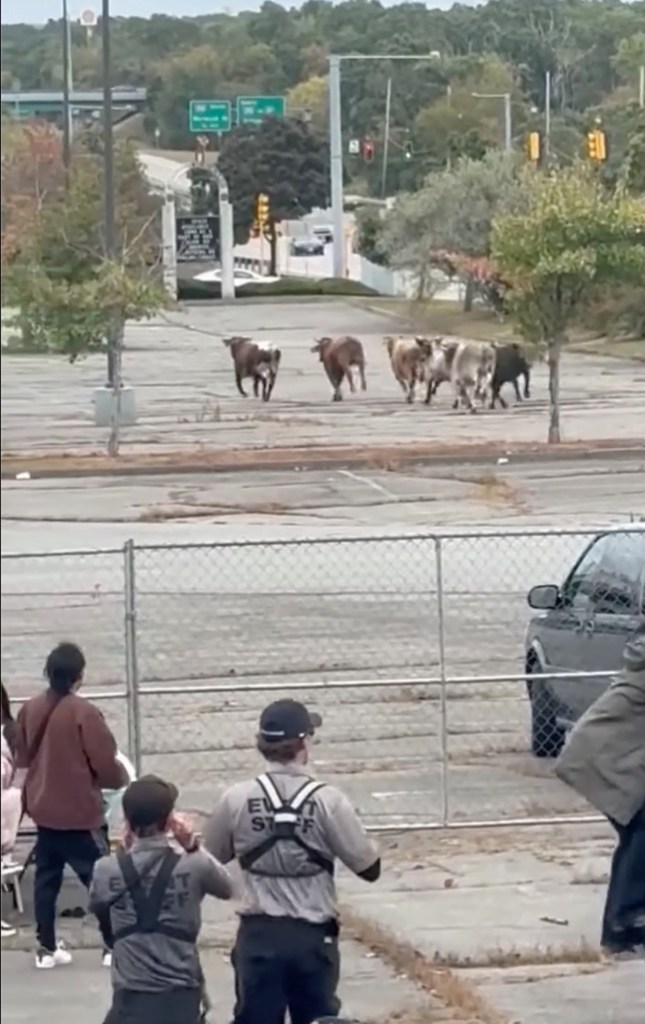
[282,157]
[32,176]
[573,238]
[452,213]
[308,99]
[71,299]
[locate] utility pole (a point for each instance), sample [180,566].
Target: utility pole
[386,137]
[641,86]
[67,89]
[336,166]
[113,341]
[508,123]
[547,116]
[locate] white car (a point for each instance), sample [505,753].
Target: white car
[241,279]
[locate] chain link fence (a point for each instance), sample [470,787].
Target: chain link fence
[414,649]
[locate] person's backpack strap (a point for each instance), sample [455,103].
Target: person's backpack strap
[148,907]
[39,735]
[286,814]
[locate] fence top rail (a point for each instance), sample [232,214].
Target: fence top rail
[61,553]
[436,536]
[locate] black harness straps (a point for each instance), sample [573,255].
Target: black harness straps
[148,907]
[286,817]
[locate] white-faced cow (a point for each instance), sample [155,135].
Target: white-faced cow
[468,365]
[338,356]
[409,359]
[259,362]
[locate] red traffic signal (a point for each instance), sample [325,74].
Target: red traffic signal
[368,150]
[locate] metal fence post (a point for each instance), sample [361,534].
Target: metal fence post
[443,696]
[131,664]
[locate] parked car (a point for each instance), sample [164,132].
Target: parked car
[306,247]
[582,626]
[241,278]
[323,232]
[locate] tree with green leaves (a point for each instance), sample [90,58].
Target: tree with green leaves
[452,213]
[282,157]
[573,238]
[70,298]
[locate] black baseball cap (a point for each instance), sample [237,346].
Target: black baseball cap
[149,801]
[287,720]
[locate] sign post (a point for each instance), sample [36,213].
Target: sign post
[254,109]
[209,116]
[88,20]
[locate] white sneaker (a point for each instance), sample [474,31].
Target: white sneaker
[45,959]
[106,959]
[7,930]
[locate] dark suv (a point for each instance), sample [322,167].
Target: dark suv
[583,625]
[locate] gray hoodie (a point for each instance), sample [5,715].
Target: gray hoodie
[604,758]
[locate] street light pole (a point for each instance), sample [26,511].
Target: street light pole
[547,115]
[67,88]
[336,142]
[108,178]
[641,86]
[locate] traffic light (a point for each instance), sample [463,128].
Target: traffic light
[597,145]
[407,151]
[262,209]
[368,151]
[534,147]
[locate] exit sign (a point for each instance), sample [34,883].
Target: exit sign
[209,116]
[254,109]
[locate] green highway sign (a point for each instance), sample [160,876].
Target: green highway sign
[253,109]
[209,116]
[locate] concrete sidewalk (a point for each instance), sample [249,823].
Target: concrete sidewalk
[493,927]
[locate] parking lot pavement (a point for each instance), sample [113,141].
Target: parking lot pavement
[186,396]
[80,993]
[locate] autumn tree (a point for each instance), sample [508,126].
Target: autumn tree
[282,157]
[32,176]
[71,299]
[573,238]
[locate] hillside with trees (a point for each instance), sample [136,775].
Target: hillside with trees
[593,52]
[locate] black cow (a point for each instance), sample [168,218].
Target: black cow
[510,364]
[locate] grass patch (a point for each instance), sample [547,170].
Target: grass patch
[441,317]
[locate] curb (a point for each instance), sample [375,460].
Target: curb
[47,467]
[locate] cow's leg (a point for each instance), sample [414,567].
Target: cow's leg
[350,380]
[270,383]
[256,384]
[464,391]
[518,395]
[265,389]
[527,389]
[411,387]
[361,373]
[430,390]
[238,381]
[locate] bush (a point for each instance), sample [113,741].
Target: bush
[191,291]
[619,312]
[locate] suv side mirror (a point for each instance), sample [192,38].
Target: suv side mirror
[544,598]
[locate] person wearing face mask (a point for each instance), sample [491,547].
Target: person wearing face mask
[287,829]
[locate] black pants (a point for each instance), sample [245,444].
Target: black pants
[284,964]
[622,926]
[55,849]
[175,1006]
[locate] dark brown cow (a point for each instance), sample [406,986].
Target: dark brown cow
[338,356]
[259,362]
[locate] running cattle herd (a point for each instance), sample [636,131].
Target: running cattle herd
[475,370]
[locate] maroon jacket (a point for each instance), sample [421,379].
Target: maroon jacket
[75,761]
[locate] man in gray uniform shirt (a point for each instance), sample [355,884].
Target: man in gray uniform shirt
[154,895]
[286,829]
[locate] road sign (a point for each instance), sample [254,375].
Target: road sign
[88,19]
[354,147]
[197,239]
[209,116]
[253,109]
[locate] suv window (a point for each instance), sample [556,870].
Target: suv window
[579,587]
[617,585]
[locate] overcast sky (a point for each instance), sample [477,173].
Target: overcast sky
[37,12]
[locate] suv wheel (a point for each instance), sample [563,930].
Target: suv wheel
[547,737]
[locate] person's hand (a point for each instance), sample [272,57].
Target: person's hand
[182,830]
[126,838]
